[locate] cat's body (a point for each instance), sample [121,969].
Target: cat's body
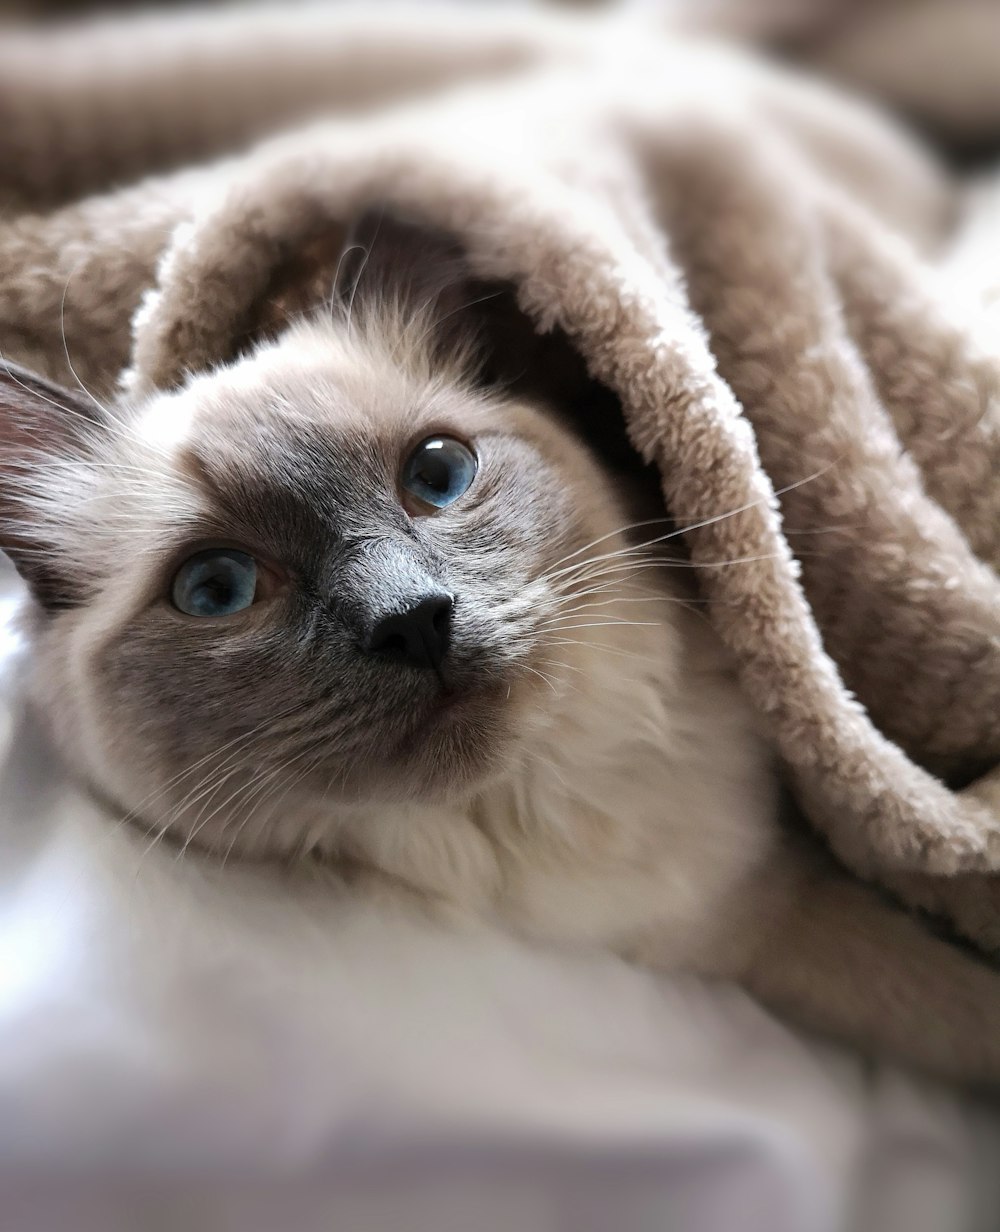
[500,700]
[630,783]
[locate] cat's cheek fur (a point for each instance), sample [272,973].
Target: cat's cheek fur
[87,727]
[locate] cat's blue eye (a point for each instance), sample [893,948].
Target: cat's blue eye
[439,471]
[217,582]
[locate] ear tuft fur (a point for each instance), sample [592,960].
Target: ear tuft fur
[41,425]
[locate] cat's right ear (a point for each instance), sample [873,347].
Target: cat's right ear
[41,424]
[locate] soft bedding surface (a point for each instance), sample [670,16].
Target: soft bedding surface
[183,1048]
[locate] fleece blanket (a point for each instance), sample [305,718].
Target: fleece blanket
[762,271]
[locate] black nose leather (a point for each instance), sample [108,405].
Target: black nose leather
[418,636]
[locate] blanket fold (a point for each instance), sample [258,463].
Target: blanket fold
[755,266]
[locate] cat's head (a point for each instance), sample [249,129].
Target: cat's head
[335,570]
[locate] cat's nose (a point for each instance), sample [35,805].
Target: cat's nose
[418,635]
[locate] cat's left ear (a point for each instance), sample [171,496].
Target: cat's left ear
[378,257]
[40,422]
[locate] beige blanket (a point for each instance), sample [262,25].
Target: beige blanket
[774,281]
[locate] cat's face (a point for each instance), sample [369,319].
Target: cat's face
[318,577]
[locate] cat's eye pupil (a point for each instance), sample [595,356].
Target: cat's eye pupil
[434,474]
[218,592]
[439,471]
[216,582]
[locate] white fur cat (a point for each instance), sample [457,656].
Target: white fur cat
[336,600]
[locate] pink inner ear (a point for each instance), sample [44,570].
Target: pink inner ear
[38,420]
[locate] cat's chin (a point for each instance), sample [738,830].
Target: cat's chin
[468,738]
[452,745]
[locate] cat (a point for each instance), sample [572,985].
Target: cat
[360,596]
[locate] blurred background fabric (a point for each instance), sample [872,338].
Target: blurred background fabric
[934,61]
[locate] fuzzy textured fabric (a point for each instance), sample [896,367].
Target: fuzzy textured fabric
[771,278]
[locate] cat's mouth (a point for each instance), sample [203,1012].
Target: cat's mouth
[469,728]
[456,733]
[457,702]
[430,735]
[471,692]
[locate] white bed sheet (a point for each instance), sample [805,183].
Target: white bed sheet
[182,1048]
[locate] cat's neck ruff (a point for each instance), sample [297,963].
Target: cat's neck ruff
[627,805]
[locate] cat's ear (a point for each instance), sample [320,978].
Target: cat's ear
[424,269]
[301,283]
[41,423]
[379,258]
[427,272]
